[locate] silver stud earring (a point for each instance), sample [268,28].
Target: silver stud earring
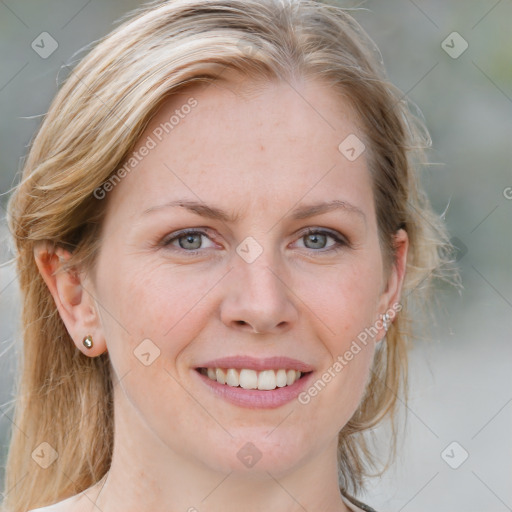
[87,341]
[386,320]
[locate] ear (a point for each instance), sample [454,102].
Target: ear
[76,306]
[390,299]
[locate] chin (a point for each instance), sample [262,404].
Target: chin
[259,451]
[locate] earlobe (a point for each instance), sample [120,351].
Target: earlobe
[75,305]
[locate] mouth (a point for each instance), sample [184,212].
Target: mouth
[255,382]
[246,378]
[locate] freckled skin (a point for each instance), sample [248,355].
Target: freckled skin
[259,155]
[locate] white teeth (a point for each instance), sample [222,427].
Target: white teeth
[232,378]
[221,376]
[265,380]
[248,379]
[281,378]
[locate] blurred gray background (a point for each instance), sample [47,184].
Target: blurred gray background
[461,393]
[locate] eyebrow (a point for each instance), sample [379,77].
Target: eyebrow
[197,207]
[304,212]
[301,212]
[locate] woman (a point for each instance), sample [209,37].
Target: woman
[219,231]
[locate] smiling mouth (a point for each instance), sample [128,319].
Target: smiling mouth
[265,380]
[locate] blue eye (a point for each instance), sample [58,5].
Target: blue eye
[318,238]
[188,240]
[192,240]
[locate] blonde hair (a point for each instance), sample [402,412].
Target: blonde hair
[64,398]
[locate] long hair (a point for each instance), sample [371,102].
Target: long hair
[65,398]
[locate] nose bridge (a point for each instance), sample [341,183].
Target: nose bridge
[259,297]
[255,257]
[258,275]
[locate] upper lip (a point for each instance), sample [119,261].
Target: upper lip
[258,364]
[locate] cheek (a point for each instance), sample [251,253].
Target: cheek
[159,302]
[155,313]
[343,300]
[333,397]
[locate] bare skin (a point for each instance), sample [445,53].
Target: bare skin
[258,155]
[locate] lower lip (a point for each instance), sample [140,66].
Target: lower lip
[256,399]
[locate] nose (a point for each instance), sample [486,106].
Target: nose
[257,299]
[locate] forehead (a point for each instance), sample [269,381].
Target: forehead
[247,141]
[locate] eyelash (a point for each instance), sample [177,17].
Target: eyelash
[340,241]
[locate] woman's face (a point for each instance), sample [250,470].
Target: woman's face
[279,269]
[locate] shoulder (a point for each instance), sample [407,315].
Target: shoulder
[356,505]
[68,505]
[78,503]
[50,508]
